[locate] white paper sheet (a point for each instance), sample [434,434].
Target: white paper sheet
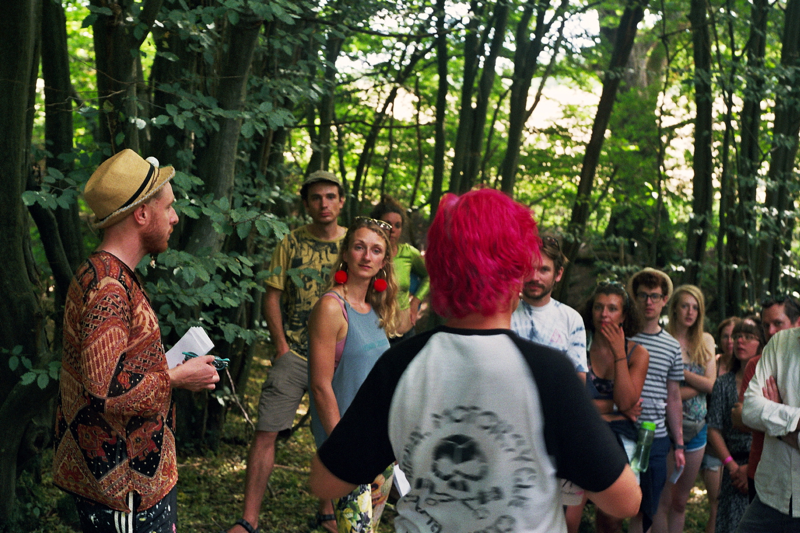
[195,340]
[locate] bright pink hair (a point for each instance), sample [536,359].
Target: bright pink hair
[481,246]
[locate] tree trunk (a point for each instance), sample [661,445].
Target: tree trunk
[441,109]
[117,39]
[750,159]
[20,315]
[215,162]
[485,86]
[703,162]
[526,59]
[626,33]
[58,122]
[776,230]
[472,54]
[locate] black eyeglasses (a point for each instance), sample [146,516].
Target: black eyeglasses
[380,223]
[552,241]
[654,297]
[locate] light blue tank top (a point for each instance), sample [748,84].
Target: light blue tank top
[364,344]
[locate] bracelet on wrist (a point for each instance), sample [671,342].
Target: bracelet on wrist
[680,446]
[727,460]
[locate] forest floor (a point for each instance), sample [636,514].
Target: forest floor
[211,485]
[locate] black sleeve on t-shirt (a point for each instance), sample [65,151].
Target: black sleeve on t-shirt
[585,450]
[358,448]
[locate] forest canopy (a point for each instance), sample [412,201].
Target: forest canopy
[640,133]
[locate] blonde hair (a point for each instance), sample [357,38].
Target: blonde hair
[698,352]
[385,302]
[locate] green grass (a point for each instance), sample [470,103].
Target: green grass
[211,486]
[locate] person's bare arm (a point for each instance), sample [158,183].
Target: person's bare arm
[737,472]
[324,485]
[675,419]
[326,326]
[272,313]
[622,498]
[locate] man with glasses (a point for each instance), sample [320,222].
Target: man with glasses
[772,407]
[777,314]
[543,319]
[287,306]
[661,395]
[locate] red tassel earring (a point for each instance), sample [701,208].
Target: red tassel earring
[380,284]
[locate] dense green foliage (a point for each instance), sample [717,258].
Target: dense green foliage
[581,110]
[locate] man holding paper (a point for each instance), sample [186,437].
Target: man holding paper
[115,447]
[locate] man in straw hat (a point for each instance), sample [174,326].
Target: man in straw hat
[661,395]
[115,446]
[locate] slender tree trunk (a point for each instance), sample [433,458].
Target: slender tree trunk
[58,121]
[216,161]
[21,318]
[750,159]
[472,54]
[702,162]
[526,60]
[441,109]
[626,33]
[485,86]
[117,39]
[780,197]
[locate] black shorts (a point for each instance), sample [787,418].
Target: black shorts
[160,518]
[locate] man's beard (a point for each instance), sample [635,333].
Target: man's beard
[546,291]
[155,241]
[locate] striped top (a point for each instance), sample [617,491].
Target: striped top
[665,363]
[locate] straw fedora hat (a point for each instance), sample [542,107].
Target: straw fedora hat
[122,182]
[658,274]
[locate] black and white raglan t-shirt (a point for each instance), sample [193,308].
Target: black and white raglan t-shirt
[481,422]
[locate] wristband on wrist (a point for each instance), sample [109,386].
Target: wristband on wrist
[680,446]
[727,460]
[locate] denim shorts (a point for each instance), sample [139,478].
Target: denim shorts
[699,441]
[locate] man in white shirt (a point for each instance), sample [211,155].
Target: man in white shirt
[543,319]
[772,405]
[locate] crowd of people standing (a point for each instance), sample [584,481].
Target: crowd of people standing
[472,412]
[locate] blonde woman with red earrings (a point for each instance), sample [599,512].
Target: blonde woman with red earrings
[348,331]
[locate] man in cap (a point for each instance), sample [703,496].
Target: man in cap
[310,248]
[115,446]
[661,396]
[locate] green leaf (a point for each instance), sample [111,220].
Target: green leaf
[233,17]
[100,10]
[119,138]
[29,198]
[28,378]
[171,109]
[43,380]
[13,362]
[243,229]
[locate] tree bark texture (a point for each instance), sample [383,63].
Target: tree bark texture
[441,109]
[215,162]
[20,315]
[626,33]
[117,39]
[702,162]
[750,158]
[782,190]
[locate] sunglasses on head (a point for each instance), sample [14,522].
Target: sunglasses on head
[380,223]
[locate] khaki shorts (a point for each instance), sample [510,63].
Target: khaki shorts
[282,392]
